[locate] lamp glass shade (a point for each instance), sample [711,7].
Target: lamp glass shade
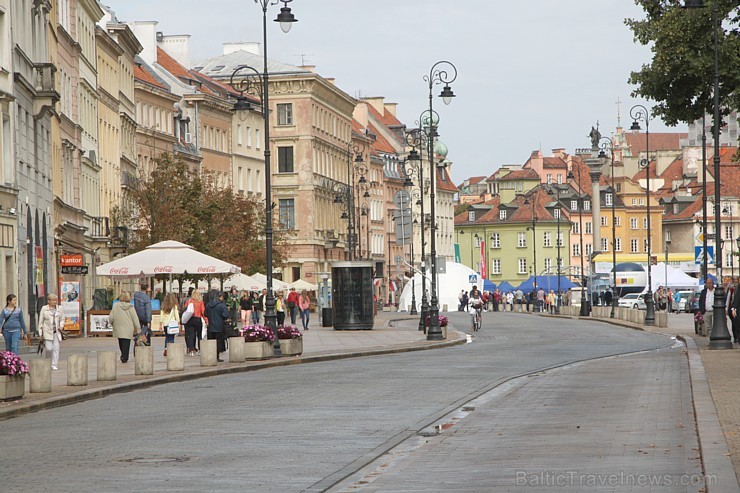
[447,94]
[286,19]
[635,126]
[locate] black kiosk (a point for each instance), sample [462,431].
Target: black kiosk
[352,295]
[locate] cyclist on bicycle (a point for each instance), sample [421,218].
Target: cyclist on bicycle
[476,304]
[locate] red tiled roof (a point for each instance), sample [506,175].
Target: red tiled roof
[173,67]
[386,118]
[475,179]
[580,172]
[553,162]
[356,127]
[143,75]
[521,174]
[668,141]
[381,144]
[444,182]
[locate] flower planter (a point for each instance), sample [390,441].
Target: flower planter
[291,347]
[258,350]
[12,387]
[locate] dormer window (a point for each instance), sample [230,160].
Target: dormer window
[587,205]
[608,199]
[502,215]
[471,216]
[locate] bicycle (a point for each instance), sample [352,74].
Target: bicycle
[476,315]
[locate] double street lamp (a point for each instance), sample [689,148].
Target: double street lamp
[555,191]
[533,228]
[719,337]
[639,113]
[413,167]
[286,20]
[584,302]
[607,143]
[345,193]
[442,72]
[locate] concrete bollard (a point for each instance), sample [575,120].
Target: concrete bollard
[236,350]
[144,361]
[175,356]
[40,373]
[444,307]
[77,370]
[107,366]
[208,353]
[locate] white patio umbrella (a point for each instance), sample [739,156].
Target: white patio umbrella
[166,257]
[277,284]
[301,285]
[244,282]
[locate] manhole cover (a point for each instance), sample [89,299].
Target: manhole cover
[155,460]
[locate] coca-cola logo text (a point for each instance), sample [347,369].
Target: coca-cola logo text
[210,269]
[119,271]
[165,269]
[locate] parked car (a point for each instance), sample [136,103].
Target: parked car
[695,303]
[633,300]
[686,301]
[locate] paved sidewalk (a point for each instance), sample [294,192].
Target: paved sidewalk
[715,380]
[319,343]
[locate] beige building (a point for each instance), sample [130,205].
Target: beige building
[8,192]
[310,130]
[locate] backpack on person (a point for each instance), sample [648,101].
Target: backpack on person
[140,308]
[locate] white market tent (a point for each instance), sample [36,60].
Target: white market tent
[166,257]
[277,284]
[301,285]
[244,282]
[677,279]
[450,284]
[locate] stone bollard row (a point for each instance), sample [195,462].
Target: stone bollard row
[208,353]
[39,372]
[236,350]
[175,356]
[107,366]
[144,361]
[77,370]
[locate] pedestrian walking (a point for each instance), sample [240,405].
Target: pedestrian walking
[193,319]
[217,314]
[169,319]
[460,299]
[257,307]
[706,307]
[245,304]
[233,303]
[125,323]
[304,304]
[496,299]
[540,299]
[143,307]
[280,308]
[734,311]
[292,305]
[13,324]
[510,300]
[465,300]
[50,325]
[551,301]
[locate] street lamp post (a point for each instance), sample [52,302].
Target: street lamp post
[416,139]
[640,113]
[719,337]
[533,228]
[286,19]
[558,241]
[667,246]
[472,261]
[606,141]
[442,72]
[413,274]
[584,301]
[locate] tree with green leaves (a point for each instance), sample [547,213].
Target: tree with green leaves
[680,76]
[177,203]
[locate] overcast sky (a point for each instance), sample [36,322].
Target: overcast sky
[532,74]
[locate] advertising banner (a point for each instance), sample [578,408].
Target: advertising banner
[69,300]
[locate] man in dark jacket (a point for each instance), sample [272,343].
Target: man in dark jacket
[706,304]
[143,307]
[217,313]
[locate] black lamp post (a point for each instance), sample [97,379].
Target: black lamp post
[719,337]
[413,273]
[607,142]
[584,301]
[442,72]
[558,241]
[345,195]
[533,228]
[413,166]
[286,19]
[640,113]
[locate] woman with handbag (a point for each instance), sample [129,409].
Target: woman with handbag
[169,318]
[192,318]
[304,303]
[50,324]
[125,323]
[246,308]
[12,323]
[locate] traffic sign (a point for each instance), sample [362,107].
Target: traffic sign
[699,255]
[473,278]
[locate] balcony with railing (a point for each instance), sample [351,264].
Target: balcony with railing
[99,227]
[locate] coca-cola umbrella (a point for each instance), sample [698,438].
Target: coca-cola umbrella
[166,257]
